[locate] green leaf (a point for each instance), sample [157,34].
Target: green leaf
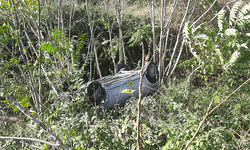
[216,99]
[24,100]
[45,148]
[26,105]
[15,109]
[75,133]
[6,101]
[70,133]
[79,148]
[16,93]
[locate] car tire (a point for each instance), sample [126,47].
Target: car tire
[119,66]
[152,72]
[95,93]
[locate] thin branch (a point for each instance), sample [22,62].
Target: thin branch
[177,41]
[109,30]
[40,55]
[30,145]
[139,101]
[190,76]
[28,114]
[201,123]
[229,95]
[9,118]
[204,13]
[209,113]
[92,38]
[30,139]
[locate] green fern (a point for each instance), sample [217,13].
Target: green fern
[221,17]
[233,12]
[220,55]
[233,59]
[201,39]
[244,17]
[231,32]
[186,30]
[244,11]
[225,48]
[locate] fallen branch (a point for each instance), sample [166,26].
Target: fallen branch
[39,123]
[209,113]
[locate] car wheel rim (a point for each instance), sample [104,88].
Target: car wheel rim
[97,92]
[152,70]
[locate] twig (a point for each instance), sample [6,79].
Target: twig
[221,9]
[3,118]
[208,113]
[176,44]
[205,12]
[30,139]
[190,76]
[30,145]
[139,101]
[28,114]
[199,127]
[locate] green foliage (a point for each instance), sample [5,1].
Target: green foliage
[223,50]
[169,117]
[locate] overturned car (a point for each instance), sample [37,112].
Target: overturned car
[117,88]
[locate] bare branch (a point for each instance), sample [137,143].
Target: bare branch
[139,101]
[28,114]
[209,113]
[204,13]
[199,127]
[3,118]
[176,44]
[30,139]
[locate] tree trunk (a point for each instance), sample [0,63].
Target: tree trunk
[92,39]
[139,101]
[109,30]
[153,28]
[162,22]
[119,15]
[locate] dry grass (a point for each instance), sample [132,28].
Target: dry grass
[137,10]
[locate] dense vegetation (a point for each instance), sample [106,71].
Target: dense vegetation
[202,58]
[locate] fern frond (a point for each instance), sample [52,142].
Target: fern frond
[244,11]
[244,45]
[199,27]
[233,13]
[243,22]
[201,39]
[234,57]
[219,54]
[194,53]
[221,16]
[186,30]
[231,32]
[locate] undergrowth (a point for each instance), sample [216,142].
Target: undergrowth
[169,119]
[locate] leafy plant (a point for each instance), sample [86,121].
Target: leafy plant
[225,49]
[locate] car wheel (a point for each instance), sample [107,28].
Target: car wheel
[119,66]
[95,92]
[152,72]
